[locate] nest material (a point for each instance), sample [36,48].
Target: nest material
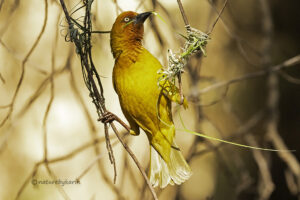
[195,41]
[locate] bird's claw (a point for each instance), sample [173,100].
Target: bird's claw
[107,117]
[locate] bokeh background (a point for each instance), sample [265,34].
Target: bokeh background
[45,106]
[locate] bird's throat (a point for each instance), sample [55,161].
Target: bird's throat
[129,49]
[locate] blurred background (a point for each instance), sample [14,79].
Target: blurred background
[243,90]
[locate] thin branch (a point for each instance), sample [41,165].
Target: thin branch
[194,74]
[80,99]
[89,167]
[76,151]
[110,151]
[50,100]
[58,186]
[30,102]
[44,126]
[118,8]
[5,106]
[289,78]
[23,65]
[267,186]
[241,131]
[2,79]
[165,10]
[273,95]
[41,88]
[196,99]
[291,182]
[238,40]
[88,69]
[135,160]
[101,32]
[27,180]
[140,5]
[94,133]
[60,159]
[1,4]
[11,12]
[186,22]
[131,174]
[93,130]
[188,29]
[219,15]
[288,63]
[288,157]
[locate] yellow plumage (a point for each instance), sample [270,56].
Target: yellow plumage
[144,104]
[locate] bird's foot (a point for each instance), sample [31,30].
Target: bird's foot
[107,117]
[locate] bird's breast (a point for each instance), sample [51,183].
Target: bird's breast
[137,81]
[133,80]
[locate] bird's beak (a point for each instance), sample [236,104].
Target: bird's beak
[140,18]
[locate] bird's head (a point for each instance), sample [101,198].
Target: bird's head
[127,31]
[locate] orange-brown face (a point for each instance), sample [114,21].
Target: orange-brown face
[129,25]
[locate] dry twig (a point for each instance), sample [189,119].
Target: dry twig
[19,84]
[288,63]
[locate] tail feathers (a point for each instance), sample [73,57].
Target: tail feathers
[159,172]
[179,170]
[176,171]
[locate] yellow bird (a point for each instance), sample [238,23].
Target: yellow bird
[145,104]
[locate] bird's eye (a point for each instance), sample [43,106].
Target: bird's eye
[126,19]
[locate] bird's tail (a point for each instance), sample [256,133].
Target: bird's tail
[175,171]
